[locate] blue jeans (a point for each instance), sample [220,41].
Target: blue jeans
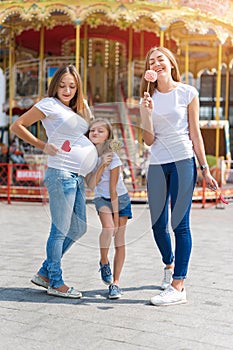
[68,215]
[172,183]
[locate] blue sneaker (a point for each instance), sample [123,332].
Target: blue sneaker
[114,292]
[106,273]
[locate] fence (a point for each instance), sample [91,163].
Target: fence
[25,182]
[22,182]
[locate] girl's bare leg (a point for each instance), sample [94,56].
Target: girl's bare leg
[105,237]
[119,257]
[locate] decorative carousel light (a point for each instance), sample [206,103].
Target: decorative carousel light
[90,52]
[11,14]
[26,16]
[42,16]
[113,16]
[129,17]
[117,55]
[106,54]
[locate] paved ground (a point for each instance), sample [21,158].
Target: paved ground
[30,319]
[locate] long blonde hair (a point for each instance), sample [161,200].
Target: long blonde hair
[174,72]
[77,102]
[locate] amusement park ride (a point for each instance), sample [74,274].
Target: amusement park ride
[107,41]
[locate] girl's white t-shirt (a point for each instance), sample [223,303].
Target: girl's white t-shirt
[63,124]
[171,127]
[103,187]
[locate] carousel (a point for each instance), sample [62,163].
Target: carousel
[107,41]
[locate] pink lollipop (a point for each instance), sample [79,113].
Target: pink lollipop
[151,77]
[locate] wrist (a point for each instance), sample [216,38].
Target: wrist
[204,168]
[41,145]
[102,164]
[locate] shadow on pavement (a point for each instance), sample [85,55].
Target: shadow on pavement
[95,296]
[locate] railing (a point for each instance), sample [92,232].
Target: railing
[26,77]
[22,182]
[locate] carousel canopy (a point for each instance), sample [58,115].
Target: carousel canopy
[194,24]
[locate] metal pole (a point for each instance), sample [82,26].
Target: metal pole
[85,62]
[130,55]
[227,92]
[11,76]
[141,46]
[41,72]
[218,94]
[77,45]
[161,42]
[187,62]
[41,82]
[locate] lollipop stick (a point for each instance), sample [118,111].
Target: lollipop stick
[222,199]
[148,86]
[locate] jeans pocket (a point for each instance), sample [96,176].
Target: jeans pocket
[123,201]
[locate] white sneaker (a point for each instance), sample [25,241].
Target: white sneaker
[170,296]
[167,278]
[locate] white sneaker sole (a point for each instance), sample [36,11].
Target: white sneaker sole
[114,297]
[169,304]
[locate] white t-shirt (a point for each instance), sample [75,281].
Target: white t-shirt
[170,121]
[102,189]
[63,124]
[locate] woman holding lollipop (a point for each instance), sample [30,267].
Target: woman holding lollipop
[170,121]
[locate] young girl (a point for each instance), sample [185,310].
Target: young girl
[112,203]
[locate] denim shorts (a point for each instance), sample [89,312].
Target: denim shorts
[124,204]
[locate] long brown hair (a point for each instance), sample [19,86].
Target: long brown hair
[77,102]
[174,72]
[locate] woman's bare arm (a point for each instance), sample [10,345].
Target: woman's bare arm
[20,129]
[146,108]
[197,140]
